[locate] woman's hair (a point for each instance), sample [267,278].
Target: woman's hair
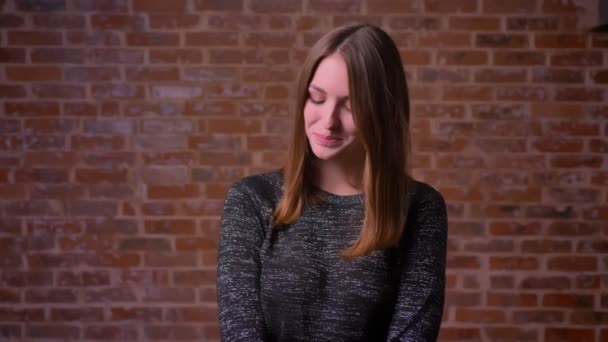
[380,109]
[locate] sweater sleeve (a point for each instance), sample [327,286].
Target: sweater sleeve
[238,274]
[419,307]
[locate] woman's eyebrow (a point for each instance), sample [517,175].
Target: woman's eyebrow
[321,90]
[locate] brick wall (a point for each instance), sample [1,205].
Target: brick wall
[123,122]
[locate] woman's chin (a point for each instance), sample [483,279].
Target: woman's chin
[325,153]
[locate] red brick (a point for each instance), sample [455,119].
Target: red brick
[76,314]
[170,21]
[117,91]
[528,334]
[444,39]
[507,299]
[12,55]
[53,331]
[599,41]
[58,91]
[114,260]
[51,296]
[21,314]
[459,334]
[568,300]
[560,7]
[569,334]
[190,315]
[177,227]
[153,39]
[195,278]
[518,58]
[270,6]
[557,76]
[144,244]
[576,58]
[462,58]
[92,74]
[117,22]
[514,6]
[560,145]
[495,40]
[572,264]
[57,55]
[159,6]
[109,294]
[418,57]
[459,6]
[598,145]
[100,6]
[12,91]
[335,6]
[34,38]
[111,332]
[86,242]
[546,246]
[557,41]
[33,73]
[466,262]
[98,143]
[537,316]
[600,76]
[139,313]
[59,21]
[192,244]
[172,332]
[91,208]
[590,318]
[462,299]
[467,93]
[98,38]
[522,23]
[483,316]
[473,23]
[145,277]
[491,246]
[579,94]
[115,56]
[180,56]
[521,93]
[219,5]
[502,282]
[173,191]
[11,21]
[571,128]
[513,263]
[31,108]
[394,6]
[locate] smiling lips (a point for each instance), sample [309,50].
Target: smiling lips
[326,140]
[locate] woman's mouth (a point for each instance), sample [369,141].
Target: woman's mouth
[326,140]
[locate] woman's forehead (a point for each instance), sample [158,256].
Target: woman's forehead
[331,77]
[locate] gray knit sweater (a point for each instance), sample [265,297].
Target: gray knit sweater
[291,284]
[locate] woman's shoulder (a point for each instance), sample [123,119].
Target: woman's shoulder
[422,193]
[265,186]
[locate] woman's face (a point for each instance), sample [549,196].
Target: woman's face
[328,120]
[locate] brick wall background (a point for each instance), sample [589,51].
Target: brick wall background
[123,122]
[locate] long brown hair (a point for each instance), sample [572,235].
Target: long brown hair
[380,109]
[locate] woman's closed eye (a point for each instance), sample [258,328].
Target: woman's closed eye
[316,99]
[320,100]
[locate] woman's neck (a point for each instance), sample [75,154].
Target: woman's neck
[339,179]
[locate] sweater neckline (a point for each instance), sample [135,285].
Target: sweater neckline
[340,199]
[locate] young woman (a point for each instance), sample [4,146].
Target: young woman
[341,244]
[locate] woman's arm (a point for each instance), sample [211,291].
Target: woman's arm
[419,306]
[238,276]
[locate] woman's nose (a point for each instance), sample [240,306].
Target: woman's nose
[330,115]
